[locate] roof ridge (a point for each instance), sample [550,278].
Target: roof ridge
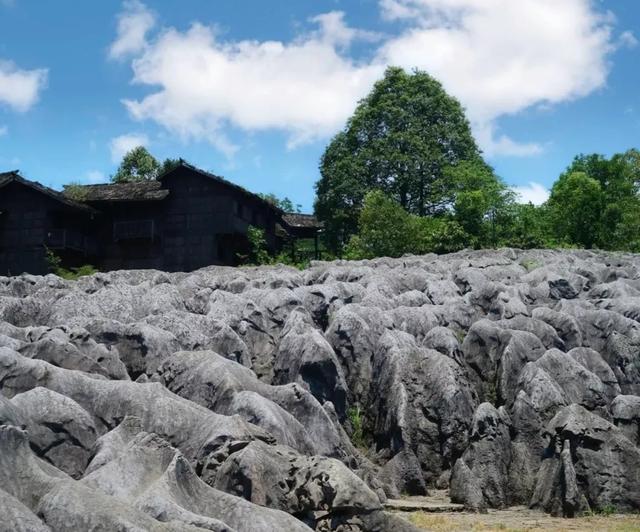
[211,175]
[55,194]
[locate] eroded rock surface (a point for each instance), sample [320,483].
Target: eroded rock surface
[261,399]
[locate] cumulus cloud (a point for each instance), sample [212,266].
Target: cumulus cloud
[123,144]
[497,144]
[333,30]
[532,192]
[498,57]
[20,89]
[305,88]
[627,40]
[135,21]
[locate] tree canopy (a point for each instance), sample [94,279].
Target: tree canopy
[284,204]
[596,203]
[400,140]
[139,165]
[385,228]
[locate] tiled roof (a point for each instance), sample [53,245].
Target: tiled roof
[134,191]
[14,176]
[183,164]
[293,219]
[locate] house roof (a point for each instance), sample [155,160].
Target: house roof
[134,191]
[208,175]
[15,177]
[306,221]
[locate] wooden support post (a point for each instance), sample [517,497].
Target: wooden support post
[315,243]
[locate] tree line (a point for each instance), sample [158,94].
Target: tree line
[406,176]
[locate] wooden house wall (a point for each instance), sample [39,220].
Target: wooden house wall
[137,253]
[206,222]
[27,218]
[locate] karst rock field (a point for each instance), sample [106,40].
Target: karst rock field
[273,399]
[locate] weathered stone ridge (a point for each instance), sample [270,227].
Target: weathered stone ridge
[261,399]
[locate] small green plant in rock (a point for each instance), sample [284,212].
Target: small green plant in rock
[357,431]
[607,509]
[530,264]
[55,266]
[75,273]
[491,394]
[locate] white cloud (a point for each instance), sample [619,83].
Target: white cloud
[627,40]
[334,31]
[119,146]
[3,130]
[20,89]
[135,21]
[305,88]
[498,57]
[94,176]
[533,192]
[495,144]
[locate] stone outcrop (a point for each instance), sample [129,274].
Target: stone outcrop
[260,399]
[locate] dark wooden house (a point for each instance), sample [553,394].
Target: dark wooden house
[34,218]
[185,220]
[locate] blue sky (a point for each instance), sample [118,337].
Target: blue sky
[254,90]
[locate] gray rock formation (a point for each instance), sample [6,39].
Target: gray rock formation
[236,399]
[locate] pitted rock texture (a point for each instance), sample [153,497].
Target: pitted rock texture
[263,399]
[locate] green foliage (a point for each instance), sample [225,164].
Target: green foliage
[54,262]
[575,209]
[602,197]
[491,393]
[258,252]
[606,511]
[386,229]
[55,266]
[75,191]
[400,140]
[285,258]
[530,264]
[483,204]
[354,415]
[137,165]
[284,204]
[75,273]
[528,227]
[168,165]
[437,235]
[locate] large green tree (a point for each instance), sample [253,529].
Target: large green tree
[386,229]
[482,203]
[575,208]
[400,139]
[614,220]
[137,165]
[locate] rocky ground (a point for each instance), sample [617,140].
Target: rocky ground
[268,399]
